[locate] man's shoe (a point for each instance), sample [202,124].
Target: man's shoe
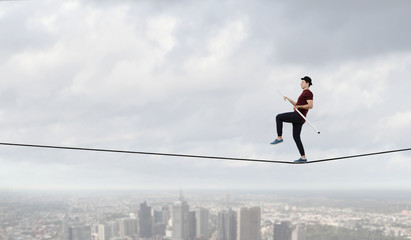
[276,141]
[301,160]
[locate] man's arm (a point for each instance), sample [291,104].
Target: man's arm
[309,105]
[290,100]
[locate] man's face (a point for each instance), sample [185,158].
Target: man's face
[304,84]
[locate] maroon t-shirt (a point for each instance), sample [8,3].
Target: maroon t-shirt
[302,100]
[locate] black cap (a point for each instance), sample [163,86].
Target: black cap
[307,79]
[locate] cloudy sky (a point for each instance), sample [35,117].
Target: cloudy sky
[201,77]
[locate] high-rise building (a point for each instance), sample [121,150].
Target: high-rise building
[192,225]
[145,221]
[114,228]
[159,229]
[249,224]
[298,233]
[282,231]
[157,216]
[227,225]
[128,227]
[80,232]
[159,225]
[202,216]
[180,218]
[103,232]
[166,214]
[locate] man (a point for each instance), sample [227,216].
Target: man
[303,104]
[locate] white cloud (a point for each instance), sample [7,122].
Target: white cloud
[400,120]
[199,78]
[160,29]
[227,39]
[400,163]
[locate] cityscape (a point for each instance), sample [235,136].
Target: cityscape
[204,215]
[152,120]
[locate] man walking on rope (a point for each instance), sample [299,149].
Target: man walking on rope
[303,104]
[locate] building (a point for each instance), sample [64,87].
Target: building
[128,227]
[165,214]
[282,231]
[227,225]
[192,222]
[180,220]
[145,221]
[104,232]
[159,223]
[249,224]
[157,216]
[80,232]
[298,233]
[202,217]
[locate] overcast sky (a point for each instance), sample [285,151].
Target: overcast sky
[201,77]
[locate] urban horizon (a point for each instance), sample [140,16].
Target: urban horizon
[297,214]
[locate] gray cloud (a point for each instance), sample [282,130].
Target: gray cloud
[201,78]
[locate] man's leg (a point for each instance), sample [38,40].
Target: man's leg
[296,135]
[284,117]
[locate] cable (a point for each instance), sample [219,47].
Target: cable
[144,153]
[360,155]
[200,156]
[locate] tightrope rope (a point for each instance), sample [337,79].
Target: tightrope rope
[199,156]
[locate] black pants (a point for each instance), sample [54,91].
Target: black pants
[295,119]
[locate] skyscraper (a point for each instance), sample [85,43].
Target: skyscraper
[145,221]
[104,232]
[298,233]
[166,214]
[202,216]
[114,228]
[180,217]
[227,225]
[128,227]
[192,225]
[80,232]
[282,231]
[249,224]
[159,227]
[157,216]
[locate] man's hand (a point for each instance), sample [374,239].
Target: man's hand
[290,100]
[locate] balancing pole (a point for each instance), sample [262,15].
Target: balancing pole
[299,113]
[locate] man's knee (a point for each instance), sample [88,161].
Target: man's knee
[278,117]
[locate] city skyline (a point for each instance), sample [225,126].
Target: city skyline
[275,217]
